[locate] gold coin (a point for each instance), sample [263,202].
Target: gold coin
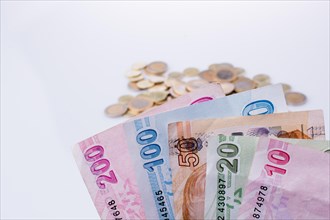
[227,87]
[133,73]
[156,79]
[140,104]
[286,87]
[179,89]
[136,79]
[208,75]
[295,98]
[243,84]
[217,66]
[158,96]
[158,88]
[191,71]
[138,66]
[144,84]
[116,110]
[261,78]
[225,75]
[133,86]
[195,84]
[124,99]
[176,75]
[156,68]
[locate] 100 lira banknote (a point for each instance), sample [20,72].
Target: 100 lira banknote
[287,181]
[189,139]
[108,172]
[229,160]
[147,142]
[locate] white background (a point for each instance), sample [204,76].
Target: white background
[62,63]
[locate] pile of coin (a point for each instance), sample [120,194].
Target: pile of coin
[156,86]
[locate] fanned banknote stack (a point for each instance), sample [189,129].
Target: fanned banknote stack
[205,155]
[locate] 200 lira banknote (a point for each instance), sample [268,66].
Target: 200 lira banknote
[229,160]
[287,181]
[147,142]
[105,165]
[188,139]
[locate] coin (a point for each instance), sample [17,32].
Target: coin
[227,87]
[156,79]
[259,85]
[133,86]
[173,93]
[156,68]
[144,84]
[169,82]
[225,75]
[217,66]
[176,75]
[208,75]
[179,89]
[116,110]
[261,79]
[158,88]
[133,73]
[158,96]
[140,104]
[286,87]
[195,84]
[124,99]
[295,98]
[191,71]
[240,71]
[136,79]
[243,84]
[138,66]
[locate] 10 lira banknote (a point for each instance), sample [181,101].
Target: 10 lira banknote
[286,181]
[147,141]
[229,159]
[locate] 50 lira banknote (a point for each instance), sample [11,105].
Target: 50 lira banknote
[147,141]
[229,160]
[189,140]
[107,170]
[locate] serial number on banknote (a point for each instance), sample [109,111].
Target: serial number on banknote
[260,202]
[112,206]
[162,204]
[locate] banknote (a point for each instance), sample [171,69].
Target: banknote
[106,168]
[286,182]
[229,160]
[192,137]
[148,142]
